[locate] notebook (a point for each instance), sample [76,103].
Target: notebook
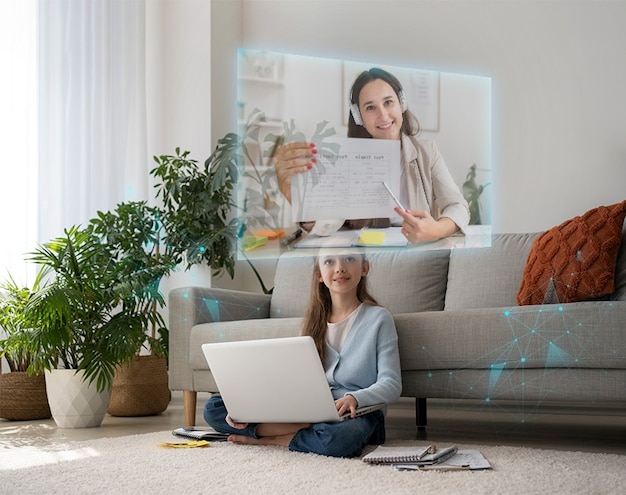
[200,433]
[417,455]
[370,237]
[278,380]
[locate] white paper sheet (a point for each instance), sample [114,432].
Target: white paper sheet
[349,183]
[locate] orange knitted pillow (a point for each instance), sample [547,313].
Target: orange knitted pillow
[574,261]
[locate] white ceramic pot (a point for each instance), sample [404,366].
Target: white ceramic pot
[74,402]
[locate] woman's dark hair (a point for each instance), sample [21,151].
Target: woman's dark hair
[318,312]
[410,125]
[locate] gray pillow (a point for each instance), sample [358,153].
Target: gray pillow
[488,277]
[620,270]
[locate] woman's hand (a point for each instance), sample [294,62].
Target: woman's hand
[420,226]
[291,159]
[347,403]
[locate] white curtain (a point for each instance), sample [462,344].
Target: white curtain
[92,114]
[18,136]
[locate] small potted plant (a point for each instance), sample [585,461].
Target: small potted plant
[22,394]
[471,193]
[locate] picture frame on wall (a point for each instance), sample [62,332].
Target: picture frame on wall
[421,87]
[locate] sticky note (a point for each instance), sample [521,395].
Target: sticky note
[372,238]
[251,242]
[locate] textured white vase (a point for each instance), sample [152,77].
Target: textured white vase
[74,402]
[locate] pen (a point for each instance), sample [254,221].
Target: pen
[393,196]
[291,237]
[447,467]
[279,141]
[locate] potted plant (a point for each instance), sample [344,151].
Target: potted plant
[196,203]
[131,233]
[22,395]
[471,193]
[87,324]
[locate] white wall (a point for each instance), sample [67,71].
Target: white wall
[178,95]
[557,69]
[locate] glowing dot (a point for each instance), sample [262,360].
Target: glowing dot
[185,295]
[507,313]
[487,399]
[430,375]
[202,249]
[523,360]
[560,308]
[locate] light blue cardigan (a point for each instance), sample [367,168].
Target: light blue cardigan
[368,366]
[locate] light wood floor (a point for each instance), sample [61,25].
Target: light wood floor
[583,427]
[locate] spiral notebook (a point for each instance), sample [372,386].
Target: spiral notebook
[414,455]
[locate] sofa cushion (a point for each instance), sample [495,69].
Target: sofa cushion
[409,280]
[402,280]
[574,261]
[488,277]
[292,285]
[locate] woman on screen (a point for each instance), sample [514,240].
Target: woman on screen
[379,110]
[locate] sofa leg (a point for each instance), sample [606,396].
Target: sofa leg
[189,406]
[420,413]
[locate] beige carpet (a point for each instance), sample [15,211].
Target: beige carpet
[138,464]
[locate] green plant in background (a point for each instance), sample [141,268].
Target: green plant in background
[132,236]
[86,316]
[196,205]
[471,193]
[15,346]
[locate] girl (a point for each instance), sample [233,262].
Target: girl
[358,344]
[379,110]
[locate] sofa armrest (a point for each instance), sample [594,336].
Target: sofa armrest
[190,306]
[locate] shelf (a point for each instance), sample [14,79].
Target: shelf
[262,80]
[274,124]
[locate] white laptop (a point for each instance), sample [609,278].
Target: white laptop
[278,380]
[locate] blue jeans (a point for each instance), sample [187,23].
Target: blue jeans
[341,439]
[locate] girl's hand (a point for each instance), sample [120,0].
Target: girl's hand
[291,159]
[347,403]
[239,426]
[420,226]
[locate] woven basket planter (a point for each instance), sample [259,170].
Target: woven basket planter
[23,397]
[140,388]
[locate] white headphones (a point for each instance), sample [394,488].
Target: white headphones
[356,114]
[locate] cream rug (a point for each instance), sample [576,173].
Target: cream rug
[138,464]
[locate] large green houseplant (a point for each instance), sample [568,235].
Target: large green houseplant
[87,319]
[132,235]
[196,204]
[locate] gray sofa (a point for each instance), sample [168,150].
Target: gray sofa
[461,333]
